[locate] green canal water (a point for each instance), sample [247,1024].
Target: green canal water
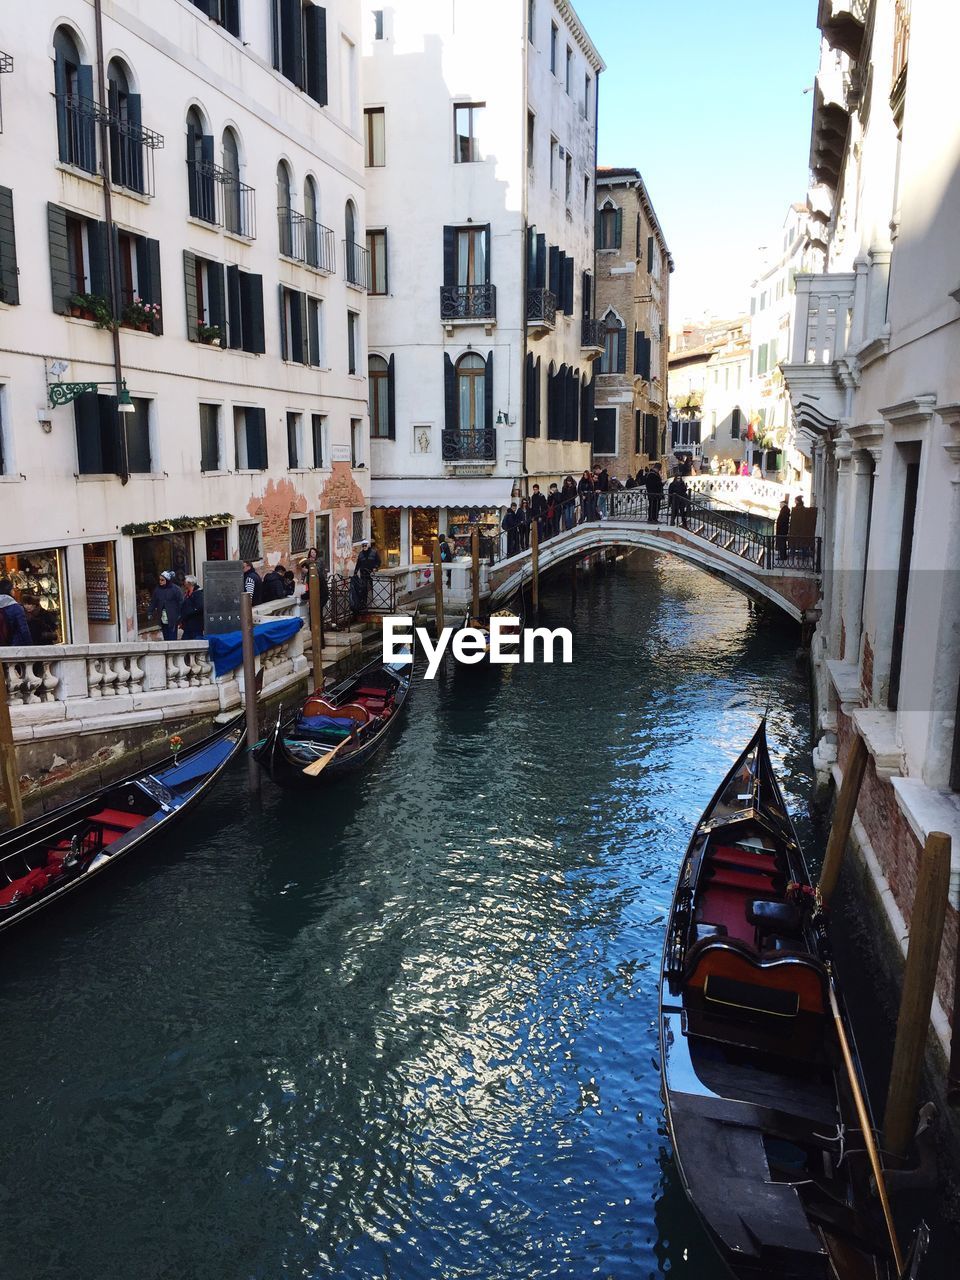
[407,1027]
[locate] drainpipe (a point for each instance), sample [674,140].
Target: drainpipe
[108,222]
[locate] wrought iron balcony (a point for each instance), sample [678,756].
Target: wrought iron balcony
[468,302]
[591,333]
[469,446]
[218,197]
[541,308]
[308,241]
[131,145]
[356,264]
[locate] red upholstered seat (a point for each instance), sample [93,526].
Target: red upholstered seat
[375,691]
[119,819]
[27,886]
[753,882]
[730,856]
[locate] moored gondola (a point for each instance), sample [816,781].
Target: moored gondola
[334,732]
[44,860]
[761,1101]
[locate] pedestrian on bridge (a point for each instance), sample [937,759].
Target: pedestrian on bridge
[553,511]
[782,528]
[568,497]
[587,498]
[677,500]
[509,526]
[538,510]
[653,483]
[523,524]
[601,483]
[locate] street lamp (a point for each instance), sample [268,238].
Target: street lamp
[66,392]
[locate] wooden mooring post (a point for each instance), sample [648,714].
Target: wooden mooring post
[843,816]
[475,570]
[249,686]
[438,585]
[916,1000]
[9,774]
[535,565]
[316,626]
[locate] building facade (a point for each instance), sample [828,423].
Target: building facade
[479,259]
[875,388]
[182,325]
[633,295]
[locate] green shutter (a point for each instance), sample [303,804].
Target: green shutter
[61,281]
[9,277]
[148,275]
[391,399]
[190,294]
[304,347]
[282,297]
[621,350]
[251,312]
[315,25]
[618,230]
[451,420]
[99,268]
[488,393]
[86,417]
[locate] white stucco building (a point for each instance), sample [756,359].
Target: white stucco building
[480,129]
[875,386]
[217,264]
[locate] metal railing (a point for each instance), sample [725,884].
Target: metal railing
[380,597]
[356,264]
[131,145]
[468,302]
[220,198]
[591,333]
[6,66]
[541,306]
[469,446]
[309,242]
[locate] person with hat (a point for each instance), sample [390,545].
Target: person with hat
[166,603]
[252,582]
[191,611]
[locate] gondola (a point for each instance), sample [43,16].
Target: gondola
[481,622]
[335,732]
[45,859]
[761,1102]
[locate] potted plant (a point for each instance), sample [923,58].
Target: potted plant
[209,334]
[141,315]
[91,306]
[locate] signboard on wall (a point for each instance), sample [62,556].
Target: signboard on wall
[340,453]
[222,588]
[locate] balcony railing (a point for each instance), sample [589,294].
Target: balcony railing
[468,302]
[356,264]
[541,307]
[591,333]
[308,241]
[843,23]
[823,315]
[131,145]
[218,197]
[6,65]
[469,446]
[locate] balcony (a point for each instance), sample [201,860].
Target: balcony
[541,312]
[591,337]
[356,262]
[469,452]
[468,304]
[831,122]
[130,144]
[307,241]
[220,198]
[842,23]
[817,373]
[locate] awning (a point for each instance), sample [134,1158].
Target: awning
[460,492]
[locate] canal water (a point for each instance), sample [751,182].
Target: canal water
[407,1027]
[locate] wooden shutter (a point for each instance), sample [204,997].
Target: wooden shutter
[641,355]
[60,88]
[554,272]
[488,393]
[86,417]
[315,22]
[586,296]
[255,422]
[251,312]
[450,417]
[313,335]
[86,125]
[651,432]
[148,275]
[9,279]
[553,423]
[133,152]
[291,41]
[99,269]
[449,256]
[575,406]
[217,301]
[285,353]
[637,431]
[622,350]
[568,286]
[233,307]
[538,399]
[302,347]
[618,230]
[541,274]
[639,237]
[231,15]
[113,456]
[587,411]
[486,252]
[530,424]
[190,294]
[391,399]
[193,178]
[649,254]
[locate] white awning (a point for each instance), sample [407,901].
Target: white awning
[459,492]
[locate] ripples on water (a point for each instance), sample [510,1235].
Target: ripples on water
[406,1028]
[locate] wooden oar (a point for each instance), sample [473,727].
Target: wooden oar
[318,766]
[867,1127]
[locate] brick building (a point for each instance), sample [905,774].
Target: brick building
[632,297]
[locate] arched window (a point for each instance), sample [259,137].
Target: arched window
[285,208]
[609,227]
[311,213]
[471,393]
[232,213]
[76,121]
[353,251]
[378,376]
[126,137]
[200,168]
[614,355]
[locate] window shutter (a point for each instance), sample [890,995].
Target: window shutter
[530,399]
[315,21]
[587,411]
[302,341]
[231,15]
[284,348]
[449,256]
[488,394]
[190,294]
[552,432]
[639,237]
[251,312]
[450,419]
[586,298]
[597,229]
[148,275]
[217,302]
[60,88]
[618,230]
[61,283]
[291,41]
[486,252]
[255,421]
[651,432]
[554,272]
[391,400]
[649,254]
[193,184]
[541,273]
[568,286]
[86,417]
[638,432]
[9,280]
[99,275]
[575,406]
[641,356]
[86,126]
[111,455]
[313,321]
[386,264]
[132,170]
[234,311]
[622,350]
[538,400]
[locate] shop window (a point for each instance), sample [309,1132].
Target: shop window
[249,541]
[100,580]
[358,534]
[151,557]
[40,576]
[385,528]
[298,535]
[216,544]
[210,449]
[424,529]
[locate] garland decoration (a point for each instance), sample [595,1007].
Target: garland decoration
[176,524]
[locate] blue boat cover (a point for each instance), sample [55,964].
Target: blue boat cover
[325,722]
[197,767]
[227,650]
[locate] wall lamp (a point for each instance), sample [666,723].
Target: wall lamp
[66,392]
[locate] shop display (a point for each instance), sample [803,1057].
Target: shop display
[99,574]
[39,574]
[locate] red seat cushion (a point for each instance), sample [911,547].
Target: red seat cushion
[119,819]
[27,885]
[754,883]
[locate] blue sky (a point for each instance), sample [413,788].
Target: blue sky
[705,98]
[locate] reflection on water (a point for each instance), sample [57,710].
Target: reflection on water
[406,1028]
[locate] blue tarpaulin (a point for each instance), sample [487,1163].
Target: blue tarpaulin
[227,650]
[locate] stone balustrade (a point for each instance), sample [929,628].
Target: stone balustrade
[747,493]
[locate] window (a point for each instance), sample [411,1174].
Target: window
[762,356]
[348,81]
[353,340]
[315,332]
[224,304]
[472,244]
[610,227]
[373,138]
[250,440]
[294,440]
[311,229]
[356,460]
[138,283]
[568,180]
[605,431]
[377,261]
[136,425]
[97,425]
[568,79]
[554,162]
[614,358]
[531,137]
[284,209]
[201,187]
[553,48]
[298,535]
[210,438]
[531,19]
[467,118]
[224,12]
[249,542]
[300,327]
[471,393]
[378,380]
[735,422]
[76,119]
[232,209]
[125,133]
[357,531]
[587,83]
[300,45]
[355,254]
[317,430]
[378,24]
[9,274]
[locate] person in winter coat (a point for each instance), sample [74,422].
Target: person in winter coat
[568,499]
[252,583]
[654,487]
[553,511]
[368,561]
[677,499]
[601,482]
[42,622]
[585,489]
[165,604]
[275,583]
[782,528]
[14,628]
[191,611]
[538,510]
[509,526]
[523,524]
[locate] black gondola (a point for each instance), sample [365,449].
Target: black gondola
[353,720]
[481,622]
[760,1107]
[47,858]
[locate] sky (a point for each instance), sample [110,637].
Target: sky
[706,98]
